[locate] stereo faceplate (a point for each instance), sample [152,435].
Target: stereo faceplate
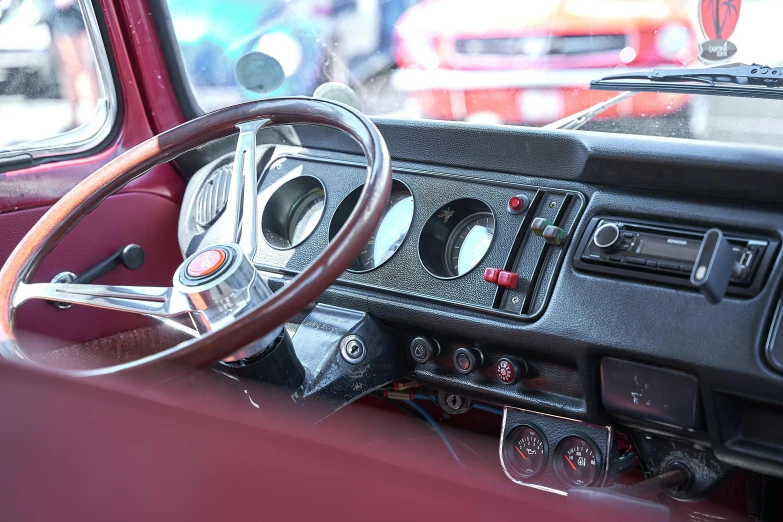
[665,253]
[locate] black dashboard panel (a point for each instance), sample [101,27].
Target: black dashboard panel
[514,246]
[589,316]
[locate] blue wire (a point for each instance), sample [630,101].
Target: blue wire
[421,411]
[486,407]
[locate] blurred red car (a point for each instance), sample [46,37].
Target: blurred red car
[533,64]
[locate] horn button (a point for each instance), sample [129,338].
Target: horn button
[206,263]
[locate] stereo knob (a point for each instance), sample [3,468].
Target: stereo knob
[606,236]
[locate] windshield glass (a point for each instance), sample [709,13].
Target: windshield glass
[491,61]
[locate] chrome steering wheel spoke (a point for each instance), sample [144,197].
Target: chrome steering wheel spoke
[158,301]
[241,204]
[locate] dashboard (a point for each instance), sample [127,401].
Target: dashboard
[553,274]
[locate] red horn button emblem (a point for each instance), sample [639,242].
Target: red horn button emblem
[206,262]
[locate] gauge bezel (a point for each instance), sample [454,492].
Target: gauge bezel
[508,459]
[435,237]
[357,190]
[278,209]
[559,467]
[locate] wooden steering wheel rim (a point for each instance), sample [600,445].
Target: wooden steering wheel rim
[284,304]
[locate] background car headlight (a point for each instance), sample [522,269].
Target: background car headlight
[671,40]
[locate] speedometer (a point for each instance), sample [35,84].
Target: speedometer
[388,237]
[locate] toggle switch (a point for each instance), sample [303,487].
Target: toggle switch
[554,235]
[539,225]
[508,279]
[491,275]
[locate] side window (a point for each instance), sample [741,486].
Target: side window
[56,94]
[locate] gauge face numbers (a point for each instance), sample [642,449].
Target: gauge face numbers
[388,237]
[305,216]
[469,242]
[524,452]
[577,462]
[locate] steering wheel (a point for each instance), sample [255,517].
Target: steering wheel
[218,287]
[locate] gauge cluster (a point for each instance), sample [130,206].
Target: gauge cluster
[469,242]
[555,453]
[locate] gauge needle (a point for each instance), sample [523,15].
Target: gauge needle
[569,462]
[520,452]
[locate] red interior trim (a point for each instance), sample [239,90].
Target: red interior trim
[42,185]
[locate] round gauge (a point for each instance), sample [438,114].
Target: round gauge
[577,462]
[388,237]
[306,215]
[456,238]
[292,212]
[469,242]
[524,452]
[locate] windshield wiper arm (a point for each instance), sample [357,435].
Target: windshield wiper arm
[752,81]
[578,119]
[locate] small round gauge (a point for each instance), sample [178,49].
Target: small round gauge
[306,215]
[292,212]
[456,238]
[577,462]
[469,242]
[390,233]
[524,452]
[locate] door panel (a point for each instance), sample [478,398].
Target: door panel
[145,219]
[144,212]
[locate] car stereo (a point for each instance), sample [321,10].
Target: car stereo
[665,253]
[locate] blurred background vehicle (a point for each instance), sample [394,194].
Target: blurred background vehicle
[497,61]
[505,61]
[27,63]
[315,41]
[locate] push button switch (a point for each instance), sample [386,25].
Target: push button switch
[517,204]
[509,371]
[423,349]
[466,360]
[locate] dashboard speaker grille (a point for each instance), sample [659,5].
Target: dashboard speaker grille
[213,194]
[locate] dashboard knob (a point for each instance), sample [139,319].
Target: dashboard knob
[509,371]
[607,236]
[423,349]
[466,360]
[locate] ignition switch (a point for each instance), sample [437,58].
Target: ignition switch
[454,404]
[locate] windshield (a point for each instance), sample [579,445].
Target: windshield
[509,62]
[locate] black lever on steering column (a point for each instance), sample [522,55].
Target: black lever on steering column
[130,256]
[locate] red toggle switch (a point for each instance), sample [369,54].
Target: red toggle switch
[508,279]
[491,275]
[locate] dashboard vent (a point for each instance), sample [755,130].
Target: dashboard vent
[212,197]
